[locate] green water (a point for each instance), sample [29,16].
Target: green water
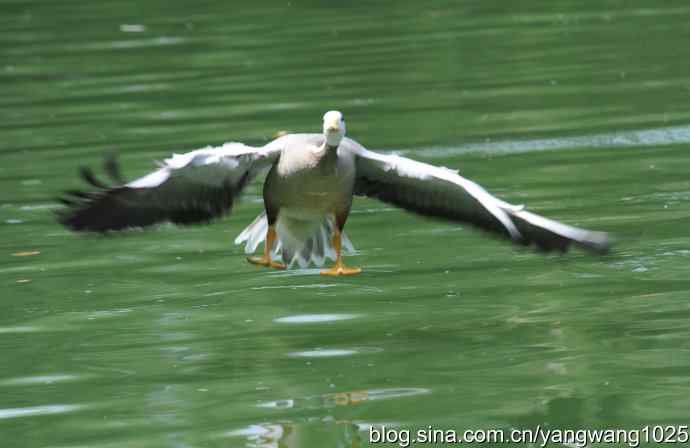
[168,338]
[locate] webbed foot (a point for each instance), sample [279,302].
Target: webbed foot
[267,262]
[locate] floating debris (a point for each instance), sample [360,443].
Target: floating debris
[32,182]
[29,253]
[132,28]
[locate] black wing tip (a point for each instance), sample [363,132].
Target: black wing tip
[100,212]
[599,243]
[111,167]
[87,174]
[596,243]
[75,215]
[120,207]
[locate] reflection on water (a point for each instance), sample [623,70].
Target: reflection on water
[346,398]
[329,432]
[340,433]
[169,338]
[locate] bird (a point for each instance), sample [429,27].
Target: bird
[307,195]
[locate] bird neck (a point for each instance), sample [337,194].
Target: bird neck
[325,149]
[328,156]
[331,152]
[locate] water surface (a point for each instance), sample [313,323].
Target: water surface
[169,338]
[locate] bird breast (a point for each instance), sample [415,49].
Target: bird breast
[296,162]
[319,181]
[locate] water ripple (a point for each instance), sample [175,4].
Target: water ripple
[39,410]
[314,318]
[625,139]
[19,329]
[40,379]
[334,352]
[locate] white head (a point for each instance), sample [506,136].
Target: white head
[333,127]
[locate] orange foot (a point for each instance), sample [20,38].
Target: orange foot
[340,269]
[266,261]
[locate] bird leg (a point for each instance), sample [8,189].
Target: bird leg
[339,268]
[266,260]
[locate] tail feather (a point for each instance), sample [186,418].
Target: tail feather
[254,234]
[301,243]
[319,245]
[348,247]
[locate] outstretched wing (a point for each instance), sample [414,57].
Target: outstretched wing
[188,188]
[442,193]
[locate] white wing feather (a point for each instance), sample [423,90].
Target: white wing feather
[441,192]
